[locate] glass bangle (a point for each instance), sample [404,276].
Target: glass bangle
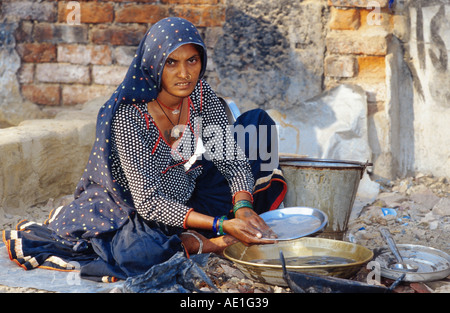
[242,204]
[214,226]
[220,231]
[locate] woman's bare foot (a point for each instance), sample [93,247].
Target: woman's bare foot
[213,245]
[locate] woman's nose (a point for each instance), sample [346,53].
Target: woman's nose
[183,72]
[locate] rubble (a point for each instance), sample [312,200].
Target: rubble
[229,279]
[415,209]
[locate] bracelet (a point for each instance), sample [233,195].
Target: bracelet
[214,226]
[200,249]
[244,191]
[221,219]
[242,204]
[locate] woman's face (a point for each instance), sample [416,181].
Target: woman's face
[181,71]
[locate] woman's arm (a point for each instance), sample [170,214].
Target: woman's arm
[238,228]
[233,165]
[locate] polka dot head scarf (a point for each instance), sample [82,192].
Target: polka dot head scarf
[143,79]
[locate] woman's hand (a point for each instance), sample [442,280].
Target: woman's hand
[249,228]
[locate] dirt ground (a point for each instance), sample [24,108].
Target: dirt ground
[416,210]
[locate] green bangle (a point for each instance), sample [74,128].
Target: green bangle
[242,204]
[220,231]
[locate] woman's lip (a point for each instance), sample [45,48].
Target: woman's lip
[183,84]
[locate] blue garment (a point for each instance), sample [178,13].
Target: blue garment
[102,231]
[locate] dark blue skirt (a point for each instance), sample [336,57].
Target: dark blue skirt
[137,245]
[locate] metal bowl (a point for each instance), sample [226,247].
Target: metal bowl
[309,255]
[433,264]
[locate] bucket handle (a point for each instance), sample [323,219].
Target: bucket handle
[365,165]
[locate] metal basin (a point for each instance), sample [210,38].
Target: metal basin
[309,255]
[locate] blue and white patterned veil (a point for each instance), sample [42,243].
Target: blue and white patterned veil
[97,187]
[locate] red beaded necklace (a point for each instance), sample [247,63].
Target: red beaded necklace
[175,132]
[174,111]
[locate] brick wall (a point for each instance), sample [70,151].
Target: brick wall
[357,45]
[64,64]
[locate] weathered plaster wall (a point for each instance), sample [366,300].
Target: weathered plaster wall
[270,53]
[430,55]
[420,101]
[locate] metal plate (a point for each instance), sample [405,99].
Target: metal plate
[295,222]
[433,264]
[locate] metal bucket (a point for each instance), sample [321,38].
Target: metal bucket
[328,185]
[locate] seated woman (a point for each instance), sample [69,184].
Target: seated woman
[165,173]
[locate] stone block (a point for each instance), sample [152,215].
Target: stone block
[372,67]
[123,35]
[60,33]
[77,94]
[332,125]
[375,18]
[84,54]
[37,52]
[340,66]
[43,159]
[140,13]
[41,11]
[26,73]
[62,73]
[44,94]
[344,19]
[202,15]
[123,55]
[374,43]
[108,75]
[90,12]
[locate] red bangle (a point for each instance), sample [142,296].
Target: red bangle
[234,196]
[185,218]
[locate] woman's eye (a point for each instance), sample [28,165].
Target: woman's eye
[170,62]
[193,60]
